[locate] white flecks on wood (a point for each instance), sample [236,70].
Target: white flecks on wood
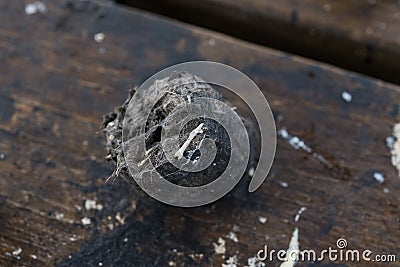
[283,184]
[292,251]
[231,262]
[220,247]
[86,221]
[395,147]
[251,172]
[262,219]
[255,262]
[301,210]
[346,96]
[297,144]
[232,236]
[379,177]
[92,205]
[99,37]
[17,252]
[36,7]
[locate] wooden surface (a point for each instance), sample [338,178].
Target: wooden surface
[56,82]
[359,35]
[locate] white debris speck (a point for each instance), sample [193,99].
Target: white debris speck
[395,147]
[385,190]
[390,141]
[283,133]
[232,236]
[379,177]
[198,130]
[297,143]
[171,263]
[2,156]
[294,141]
[86,221]
[92,205]
[125,239]
[34,257]
[17,252]
[36,7]
[231,262]
[220,247]
[283,184]
[73,238]
[251,172]
[100,264]
[119,218]
[346,96]
[262,219]
[292,251]
[301,210]
[254,262]
[211,42]
[99,37]
[59,216]
[196,255]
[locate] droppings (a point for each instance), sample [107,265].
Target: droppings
[86,221]
[262,219]
[220,247]
[251,172]
[232,236]
[385,190]
[283,184]
[294,141]
[346,96]
[99,37]
[390,142]
[255,262]
[231,262]
[59,216]
[297,144]
[119,218]
[36,7]
[293,250]
[301,210]
[379,177]
[394,146]
[92,205]
[17,252]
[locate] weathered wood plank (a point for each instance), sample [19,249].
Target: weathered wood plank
[56,83]
[356,35]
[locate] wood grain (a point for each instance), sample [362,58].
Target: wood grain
[56,82]
[357,35]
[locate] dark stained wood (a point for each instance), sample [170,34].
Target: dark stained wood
[357,35]
[56,82]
